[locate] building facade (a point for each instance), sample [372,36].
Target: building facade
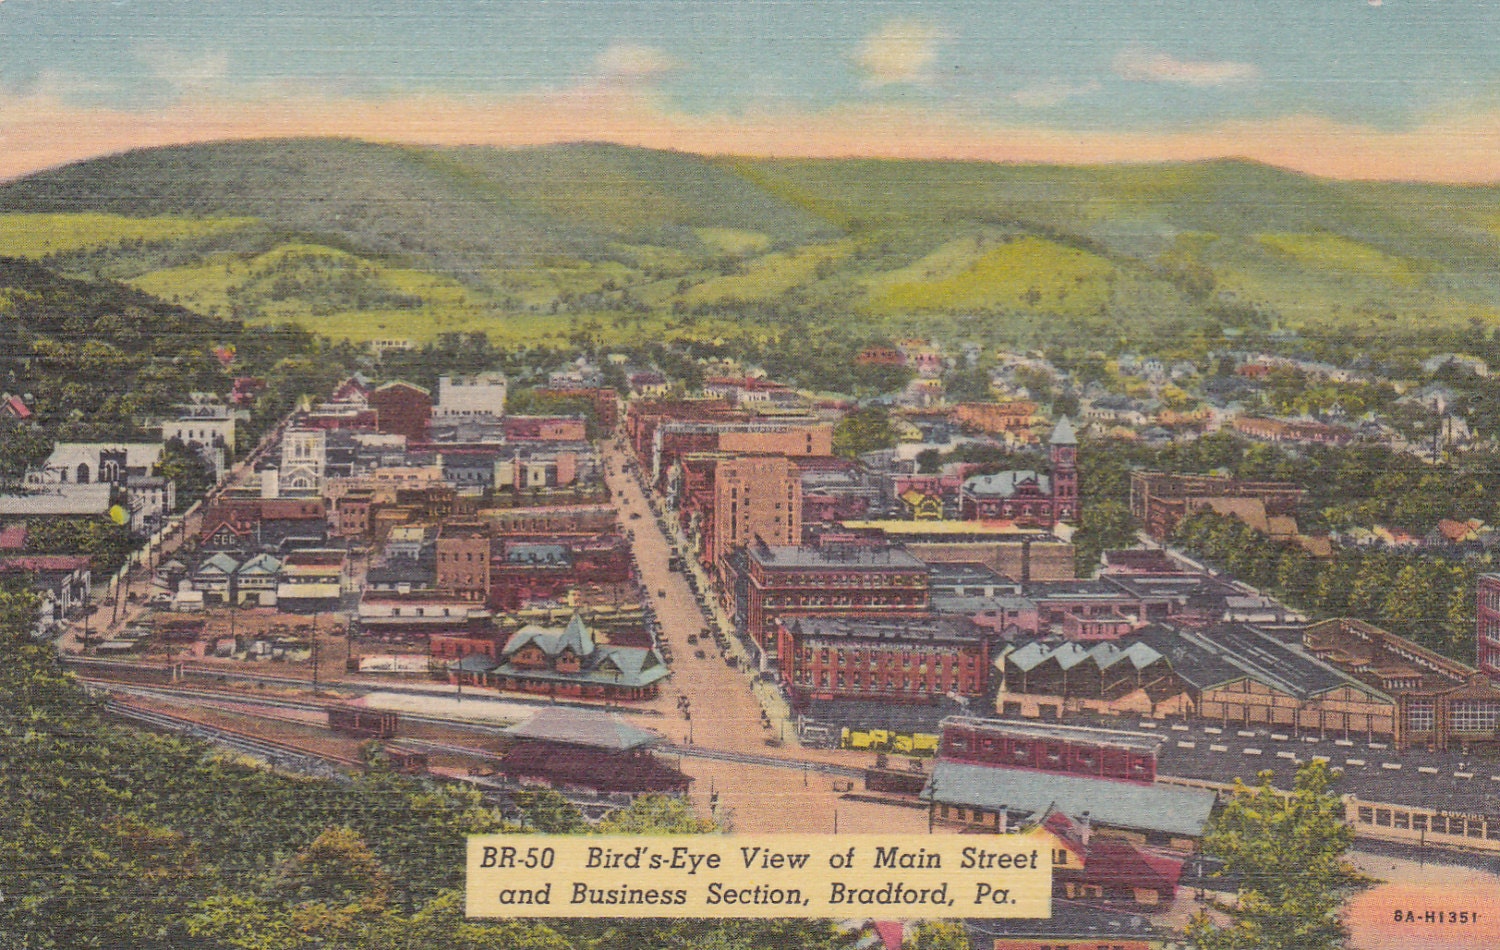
[756,498]
[836,577]
[1026,497]
[893,660]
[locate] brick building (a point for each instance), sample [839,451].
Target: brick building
[1441,703]
[756,498]
[1026,497]
[1487,623]
[837,577]
[402,409]
[463,561]
[1160,500]
[892,660]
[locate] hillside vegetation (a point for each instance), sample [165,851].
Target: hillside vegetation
[546,245]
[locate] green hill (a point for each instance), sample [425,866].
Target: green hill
[367,241]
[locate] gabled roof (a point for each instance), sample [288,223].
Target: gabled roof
[1006,484]
[585,728]
[260,564]
[552,641]
[220,563]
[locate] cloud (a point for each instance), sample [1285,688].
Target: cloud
[633,62]
[1143,66]
[183,74]
[1051,94]
[900,51]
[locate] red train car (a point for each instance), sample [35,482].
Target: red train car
[1071,750]
[363,723]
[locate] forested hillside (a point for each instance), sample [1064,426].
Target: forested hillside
[367,241]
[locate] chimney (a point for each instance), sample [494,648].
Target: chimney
[1085,829]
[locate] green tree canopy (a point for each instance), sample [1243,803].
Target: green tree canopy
[1288,852]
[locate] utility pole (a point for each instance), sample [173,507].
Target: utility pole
[315,652]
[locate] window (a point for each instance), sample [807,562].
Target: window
[1419,717]
[1475,715]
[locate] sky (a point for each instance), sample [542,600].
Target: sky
[1391,89]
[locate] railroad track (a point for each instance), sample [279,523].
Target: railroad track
[770,761]
[303,760]
[224,696]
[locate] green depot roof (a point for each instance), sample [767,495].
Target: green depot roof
[584,727]
[1022,792]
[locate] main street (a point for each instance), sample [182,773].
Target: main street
[725,715]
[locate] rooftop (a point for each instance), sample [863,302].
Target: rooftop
[841,556]
[1114,738]
[1148,808]
[585,728]
[933,629]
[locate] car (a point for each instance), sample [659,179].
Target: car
[661,593]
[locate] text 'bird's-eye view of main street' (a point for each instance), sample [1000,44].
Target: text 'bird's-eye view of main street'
[703,419]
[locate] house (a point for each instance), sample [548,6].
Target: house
[1108,867]
[64,582]
[256,581]
[214,578]
[568,662]
[15,407]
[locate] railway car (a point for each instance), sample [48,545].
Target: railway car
[1100,753]
[406,761]
[362,723]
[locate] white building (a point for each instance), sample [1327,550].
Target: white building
[207,430]
[304,458]
[83,463]
[470,397]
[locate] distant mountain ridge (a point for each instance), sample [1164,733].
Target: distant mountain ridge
[363,240]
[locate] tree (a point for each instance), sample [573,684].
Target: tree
[937,935]
[336,869]
[549,811]
[655,815]
[1288,852]
[1102,526]
[193,475]
[22,448]
[864,430]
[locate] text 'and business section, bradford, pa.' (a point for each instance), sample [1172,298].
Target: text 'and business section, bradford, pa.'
[897,876]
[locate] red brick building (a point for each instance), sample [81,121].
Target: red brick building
[463,561]
[402,409]
[755,498]
[837,577]
[1026,497]
[643,416]
[522,571]
[891,660]
[1160,500]
[1487,623]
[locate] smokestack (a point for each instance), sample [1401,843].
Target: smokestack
[270,483]
[1025,560]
